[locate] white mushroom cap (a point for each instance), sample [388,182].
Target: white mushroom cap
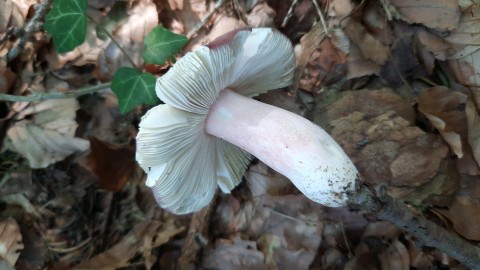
[184,164]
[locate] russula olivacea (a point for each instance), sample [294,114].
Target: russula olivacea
[208,128]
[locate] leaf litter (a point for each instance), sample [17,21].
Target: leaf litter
[395,82]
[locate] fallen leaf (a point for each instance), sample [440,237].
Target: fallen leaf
[7,79]
[395,257]
[371,48]
[10,241]
[142,20]
[175,4]
[445,109]
[236,255]
[473,121]
[44,132]
[326,65]
[262,15]
[439,14]
[463,213]
[358,66]
[10,15]
[24,6]
[403,63]
[112,164]
[309,42]
[144,236]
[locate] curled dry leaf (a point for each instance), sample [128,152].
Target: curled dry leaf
[463,213]
[439,14]
[445,109]
[44,132]
[10,241]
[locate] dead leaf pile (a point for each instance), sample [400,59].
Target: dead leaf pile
[396,83]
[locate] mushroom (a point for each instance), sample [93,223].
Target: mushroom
[204,134]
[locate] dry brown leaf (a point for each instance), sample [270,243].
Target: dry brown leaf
[403,63]
[308,43]
[262,15]
[358,66]
[326,65]
[10,15]
[463,213]
[395,257]
[144,236]
[439,14]
[236,255]
[143,17]
[473,120]
[262,180]
[371,48]
[10,241]
[446,111]
[112,164]
[467,31]
[433,43]
[7,79]
[175,4]
[44,132]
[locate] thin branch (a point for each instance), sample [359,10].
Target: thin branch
[289,13]
[115,42]
[32,26]
[426,231]
[201,23]
[322,17]
[57,95]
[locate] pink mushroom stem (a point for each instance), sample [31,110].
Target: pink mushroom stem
[286,142]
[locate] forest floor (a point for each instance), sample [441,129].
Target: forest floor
[395,82]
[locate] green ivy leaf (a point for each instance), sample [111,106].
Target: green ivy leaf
[67,23]
[161,45]
[133,88]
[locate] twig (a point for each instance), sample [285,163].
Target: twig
[32,26]
[105,31]
[322,17]
[56,95]
[426,231]
[201,23]
[289,13]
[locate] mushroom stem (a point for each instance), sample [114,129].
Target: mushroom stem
[286,142]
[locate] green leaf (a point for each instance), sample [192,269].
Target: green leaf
[161,45]
[116,15]
[67,23]
[133,88]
